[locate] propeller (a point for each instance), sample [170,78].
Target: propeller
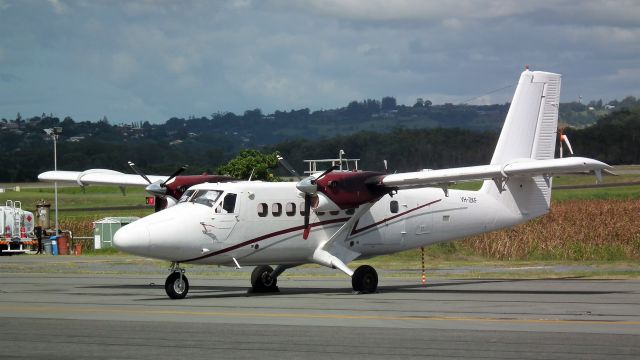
[175,173]
[309,187]
[137,171]
[565,139]
[307,210]
[157,189]
[289,168]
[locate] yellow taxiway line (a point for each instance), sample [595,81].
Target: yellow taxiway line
[94,310]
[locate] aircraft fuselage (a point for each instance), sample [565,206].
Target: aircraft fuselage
[262,223]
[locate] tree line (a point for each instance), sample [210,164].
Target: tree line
[160,149]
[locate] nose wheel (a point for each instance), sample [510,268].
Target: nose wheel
[263,280]
[177,284]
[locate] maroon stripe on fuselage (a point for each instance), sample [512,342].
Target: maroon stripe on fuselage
[301,227]
[356,231]
[266,236]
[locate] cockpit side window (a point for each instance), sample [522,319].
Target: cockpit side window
[229,203]
[206,197]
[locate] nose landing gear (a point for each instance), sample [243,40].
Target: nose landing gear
[264,280]
[177,284]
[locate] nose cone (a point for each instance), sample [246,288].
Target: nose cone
[133,239]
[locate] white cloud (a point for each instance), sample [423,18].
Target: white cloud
[367,49]
[452,23]
[625,76]
[176,57]
[606,35]
[58,7]
[177,64]
[240,4]
[123,66]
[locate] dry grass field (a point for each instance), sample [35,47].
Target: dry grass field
[573,230]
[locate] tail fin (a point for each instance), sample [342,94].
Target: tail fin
[529,132]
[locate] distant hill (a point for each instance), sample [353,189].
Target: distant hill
[410,137]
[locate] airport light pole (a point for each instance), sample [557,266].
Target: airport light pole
[54,133]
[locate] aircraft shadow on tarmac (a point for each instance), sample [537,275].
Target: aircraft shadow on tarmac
[212,292]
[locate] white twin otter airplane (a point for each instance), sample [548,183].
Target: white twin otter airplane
[336,217]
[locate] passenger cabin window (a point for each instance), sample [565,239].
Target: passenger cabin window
[228,205]
[276,209]
[334,212]
[206,197]
[290,209]
[263,209]
[393,206]
[320,213]
[350,211]
[302,212]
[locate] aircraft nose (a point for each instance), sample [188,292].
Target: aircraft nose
[132,238]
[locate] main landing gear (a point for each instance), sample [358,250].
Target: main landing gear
[176,285]
[364,280]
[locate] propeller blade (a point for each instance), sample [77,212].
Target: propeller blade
[334,167]
[176,173]
[565,138]
[137,171]
[159,204]
[307,211]
[288,166]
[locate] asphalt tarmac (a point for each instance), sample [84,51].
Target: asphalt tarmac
[93,316]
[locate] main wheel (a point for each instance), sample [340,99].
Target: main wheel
[261,280]
[176,286]
[365,279]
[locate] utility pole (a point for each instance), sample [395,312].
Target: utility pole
[54,133]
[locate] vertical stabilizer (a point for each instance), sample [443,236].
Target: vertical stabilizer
[530,128]
[529,132]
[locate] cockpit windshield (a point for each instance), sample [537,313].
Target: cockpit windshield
[205,197]
[187,194]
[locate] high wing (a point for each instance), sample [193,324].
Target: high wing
[98,177]
[514,168]
[523,160]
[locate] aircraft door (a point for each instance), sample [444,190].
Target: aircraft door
[226,216]
[395,229]
[421,228]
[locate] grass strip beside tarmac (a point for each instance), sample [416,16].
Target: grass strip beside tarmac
[387,266]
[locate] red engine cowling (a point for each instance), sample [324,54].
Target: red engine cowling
[348,190]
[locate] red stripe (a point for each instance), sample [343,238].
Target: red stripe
[301,227]
[264,237]
[356,231]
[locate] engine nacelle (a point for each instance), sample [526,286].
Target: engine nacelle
[348,189]
[321,202]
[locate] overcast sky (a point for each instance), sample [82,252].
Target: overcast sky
[151,60]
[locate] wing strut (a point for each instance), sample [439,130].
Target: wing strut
[332,252]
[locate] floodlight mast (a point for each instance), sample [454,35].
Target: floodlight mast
[54,133]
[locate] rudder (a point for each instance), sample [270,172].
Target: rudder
[529,132]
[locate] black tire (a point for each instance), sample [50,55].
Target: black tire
[174,287]
[261,280]
[365,280]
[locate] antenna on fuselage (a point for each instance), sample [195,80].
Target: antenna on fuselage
[251,175]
